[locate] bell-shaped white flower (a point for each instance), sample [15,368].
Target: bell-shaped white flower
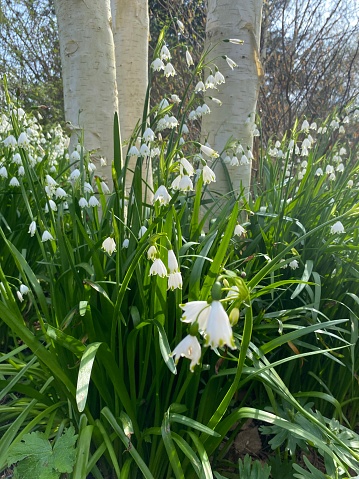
[319,172]
[21,171]
[144,150]
[187,166]
[60,193]
[218,331]
[180,25]
[14,182]
[157,65]
[125,243]
[46,236]
[185,183]
[32,228]
[109,245]
[133,151]
[10,141]
[172,262]
[165,53]
[219,78]
[142,231]
[169,70]
[175,98]
[231,63]
[23,289]
[294,264]
[148,135]
[75,174]
[175,281]
[208,175]
[239,230]
[188,348]
[83,203]
[337,228]
[23,140]
[75,156]
[105,189]
[152,252]
[199,87]
[162,195]
[91,167]
[3,172]
[189,58]
[93,202]
[196,311]
[52,205]
[158,268]
[209,151]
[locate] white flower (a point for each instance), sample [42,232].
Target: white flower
[313,126]
[19,295]
[172,262]
[196,311]
[219,78]
[60,193]
[158,268]
[239,230]
[75,156]
[148,135]
[175,99]
[14,181]
[105,188]
[228,159]
[319,172]
[157,65]
[208,175]
[91,167]
[32,228]
[175,183]
[10,141]
[187,166]
[305,126]
[75,174]
[165,53]
[209,151]
[125,243]
[152,252]
[133,151]
[189,58]
[174,281]
[52,205]
[244,160]
[185,129]
[350,184]
[103,161]
[162,195]
[93,201]
[3,172]
[23,139]
[17,159]
[83,203]
[21,171]
[215,100]
[218,331]
[109,245]
[337,228]
[294,264]
[50,181]
[235,41]
[144,150]
[329,169]
[340,168]
[199,87]
[23,289]
[46,236]
[189,348]
[210,82]
[234,161]
[180,25]
[142,231]
[87,187]
[163,104]
[185,183]
[230,62]
[169,70]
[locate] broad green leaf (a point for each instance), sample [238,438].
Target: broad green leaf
[84,376]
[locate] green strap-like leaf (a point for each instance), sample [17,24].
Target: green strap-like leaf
[83,379]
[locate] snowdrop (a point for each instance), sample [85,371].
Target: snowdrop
[219,78]
[230,62]
[109,245]
[210,82]
[83,203]
[165,53]
[3,172]
[189,58]
[239,230]
[24,289]
[60,193]
[142,231]
[169,70]
[187,166]
[46,236]
[188,348]
[294,264]
[175,281]
[133,151]
[199,87]
[93,202]
[218,331]
[208,175]
[144,150]
[157,65]
[14,182]
[32,228]
[74,175]
[21,171]
[175,99]
[337,228]
[125,243]
[152,252]
[209,151]
[87,187]
[158,268]
[162,196]
[185,183]
[10,142]
[148,135]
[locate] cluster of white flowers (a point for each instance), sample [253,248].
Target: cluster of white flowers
[159,64]
[158,268]
[212,322]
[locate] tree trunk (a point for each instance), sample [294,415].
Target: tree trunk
[89,74]
[130,25]
[233,19]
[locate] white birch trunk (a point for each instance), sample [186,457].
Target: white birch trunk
[89,74]
[130,25]
[238,19]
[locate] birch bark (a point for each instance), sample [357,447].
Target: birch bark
[89,74]
[130,26]
[228,19]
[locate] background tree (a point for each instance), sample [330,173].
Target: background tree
[30,56]
[310,54]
